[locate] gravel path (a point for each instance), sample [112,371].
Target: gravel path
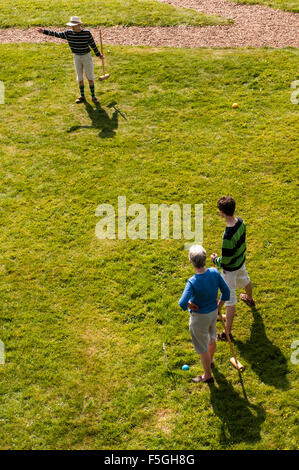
[254,26]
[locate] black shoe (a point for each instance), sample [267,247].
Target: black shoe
[222,337]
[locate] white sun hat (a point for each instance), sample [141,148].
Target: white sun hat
[74,21]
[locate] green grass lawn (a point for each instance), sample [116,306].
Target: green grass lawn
[24,13]
[287,5]
[83,320]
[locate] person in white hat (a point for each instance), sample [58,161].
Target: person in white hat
[80,41]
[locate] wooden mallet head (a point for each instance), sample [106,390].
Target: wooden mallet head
[104,77]
[237,364]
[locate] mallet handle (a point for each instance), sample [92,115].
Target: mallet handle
[228,339]
[101,42]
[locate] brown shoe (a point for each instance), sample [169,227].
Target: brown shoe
[80,100]
[95,99]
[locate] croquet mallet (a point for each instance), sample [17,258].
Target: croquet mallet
[105,75]
[233,359]
[112,105]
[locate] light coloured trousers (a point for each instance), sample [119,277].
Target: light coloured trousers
[84,63]
[202,327]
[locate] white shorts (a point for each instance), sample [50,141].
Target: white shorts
[84,62]
[235,280]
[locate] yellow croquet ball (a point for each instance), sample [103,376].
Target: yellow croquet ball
[235,105]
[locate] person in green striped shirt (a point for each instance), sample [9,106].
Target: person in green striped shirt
[232,261]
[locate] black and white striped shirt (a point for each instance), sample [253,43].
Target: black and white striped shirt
[80,42]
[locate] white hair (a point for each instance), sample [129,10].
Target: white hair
[197,256]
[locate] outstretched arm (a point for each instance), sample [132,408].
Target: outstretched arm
[61,35]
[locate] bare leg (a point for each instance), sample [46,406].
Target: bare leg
[248,290]
[230,313]
[247,298]
[206,362]
[212,349]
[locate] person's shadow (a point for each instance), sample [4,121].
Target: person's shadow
[266,359]
[241,421]
[101,120]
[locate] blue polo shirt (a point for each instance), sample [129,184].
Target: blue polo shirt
[202,289]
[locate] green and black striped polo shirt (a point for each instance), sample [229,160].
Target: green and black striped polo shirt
[233,247]
[80,42]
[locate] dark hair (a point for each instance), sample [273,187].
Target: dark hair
[227,204]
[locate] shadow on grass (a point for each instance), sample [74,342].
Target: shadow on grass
[241,421]
[100,119]
[266,359]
